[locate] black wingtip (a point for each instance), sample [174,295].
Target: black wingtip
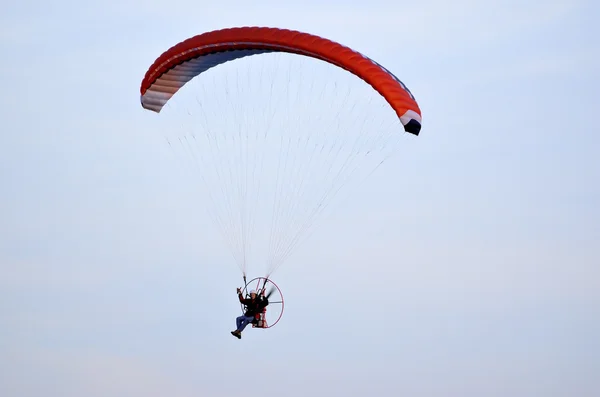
[413,127]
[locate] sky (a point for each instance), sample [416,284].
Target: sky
[467,265]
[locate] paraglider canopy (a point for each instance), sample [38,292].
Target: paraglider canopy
[181,63]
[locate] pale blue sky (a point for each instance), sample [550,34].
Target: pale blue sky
[467,267]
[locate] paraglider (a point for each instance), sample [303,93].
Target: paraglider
[255,305]
[240,152]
